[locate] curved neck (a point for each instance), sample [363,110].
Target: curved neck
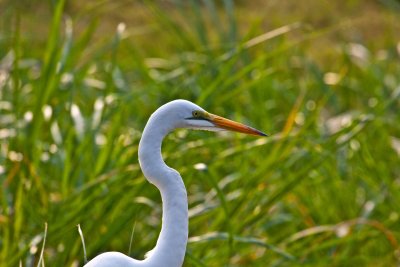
[171,244]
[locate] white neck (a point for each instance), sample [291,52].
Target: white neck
[171,244]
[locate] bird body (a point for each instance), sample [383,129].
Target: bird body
[171,244]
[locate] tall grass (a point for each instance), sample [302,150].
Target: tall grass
[322,190]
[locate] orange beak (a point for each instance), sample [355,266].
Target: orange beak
[233,125]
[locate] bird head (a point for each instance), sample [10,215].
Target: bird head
[186,114]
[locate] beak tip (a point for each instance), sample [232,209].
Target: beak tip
[262,134]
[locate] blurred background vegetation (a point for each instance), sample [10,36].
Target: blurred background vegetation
[78,80]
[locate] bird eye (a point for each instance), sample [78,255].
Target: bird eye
[196,113]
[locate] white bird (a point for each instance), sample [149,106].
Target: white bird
[171,244]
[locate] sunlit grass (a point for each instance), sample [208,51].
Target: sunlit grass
[322,190]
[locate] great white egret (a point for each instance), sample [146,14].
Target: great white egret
[171,244]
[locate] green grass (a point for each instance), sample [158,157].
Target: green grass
[322,190]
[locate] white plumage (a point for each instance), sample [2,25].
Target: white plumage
[171,244]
